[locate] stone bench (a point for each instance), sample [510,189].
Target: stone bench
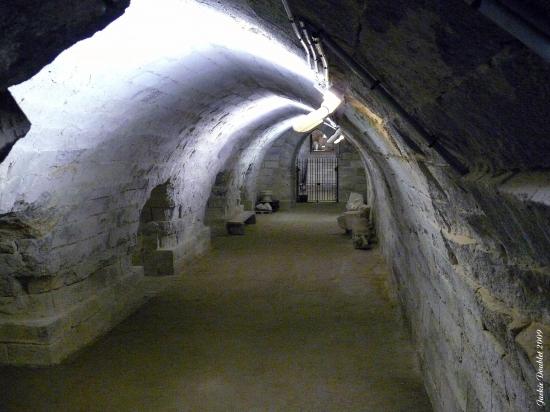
[235,225]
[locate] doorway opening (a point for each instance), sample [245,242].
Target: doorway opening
[317,171]
[317,178]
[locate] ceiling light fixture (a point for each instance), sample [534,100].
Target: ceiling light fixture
[339,139]
[310,121]
[335,136]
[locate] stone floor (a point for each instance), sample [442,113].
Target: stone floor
[287,318]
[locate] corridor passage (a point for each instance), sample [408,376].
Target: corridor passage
[288,317]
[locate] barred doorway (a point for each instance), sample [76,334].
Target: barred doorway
[317,178]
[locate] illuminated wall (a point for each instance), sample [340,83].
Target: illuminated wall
[112,118]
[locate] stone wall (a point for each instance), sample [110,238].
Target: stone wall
[278,171]
[473,284]
[351,172]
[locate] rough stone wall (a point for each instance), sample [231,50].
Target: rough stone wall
[351,172]
[473,295]
[216,207]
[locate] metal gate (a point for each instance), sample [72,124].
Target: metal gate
[317,178]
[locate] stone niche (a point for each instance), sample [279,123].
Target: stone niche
[165,242]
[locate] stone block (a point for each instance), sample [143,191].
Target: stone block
[56,337]
[219,191]
[30,354]
[80,291]
[162,214]
[44,284]
[235,228]
[40,304]
[360,241]
[159,263]
[35,331]
[168,242]
[216,202]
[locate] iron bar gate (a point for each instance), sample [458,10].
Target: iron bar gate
[317,178]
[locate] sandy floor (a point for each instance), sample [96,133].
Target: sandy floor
[287,318]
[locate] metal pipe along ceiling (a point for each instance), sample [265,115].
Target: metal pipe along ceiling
[297,32]
[517,24]
[319,46]
[310,45]
[375,85]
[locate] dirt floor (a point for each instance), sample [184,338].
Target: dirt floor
[287,318]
